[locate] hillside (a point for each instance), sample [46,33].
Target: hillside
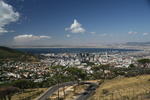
[7,52]
[12,54]
[138,43]
[133,88]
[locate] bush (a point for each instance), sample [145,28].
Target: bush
[24,84]
[105,91]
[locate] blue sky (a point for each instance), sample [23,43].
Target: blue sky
[73,22]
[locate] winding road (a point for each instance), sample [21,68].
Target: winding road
[89,91]
[84,96]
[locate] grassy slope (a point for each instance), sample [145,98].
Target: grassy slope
[8,53]
[69,91]
[29,94]
[134,88]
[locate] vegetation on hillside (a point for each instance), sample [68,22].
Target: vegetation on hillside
[60,74]
[8,54]
[7,92]
[28,94]
[133,88]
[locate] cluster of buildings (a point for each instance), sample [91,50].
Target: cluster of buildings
[13,70]
[38,71]
[88,59]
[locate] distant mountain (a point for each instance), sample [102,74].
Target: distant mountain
[138,43]
[8,53]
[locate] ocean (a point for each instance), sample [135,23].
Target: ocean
[74,50]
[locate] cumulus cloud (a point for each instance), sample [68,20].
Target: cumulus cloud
[68,35]
[29,37]
[93,32]
[145,34]
[104,34]
[76,27]
[7,15]
[131,32]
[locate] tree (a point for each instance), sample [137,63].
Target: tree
[132,66]
[99,71]
[76,74]
[144,62]
[8,92]
[23,84]
[58,73]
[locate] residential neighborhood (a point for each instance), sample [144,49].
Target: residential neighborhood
[38,71]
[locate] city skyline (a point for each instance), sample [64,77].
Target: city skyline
[73,22]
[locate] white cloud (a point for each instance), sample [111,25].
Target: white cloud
[131,32]
[145,34]
[93,32]
[7,15]
[104,34]
[68,35]
[76,27]
[30,37]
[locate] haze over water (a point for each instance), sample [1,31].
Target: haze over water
[74,50]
